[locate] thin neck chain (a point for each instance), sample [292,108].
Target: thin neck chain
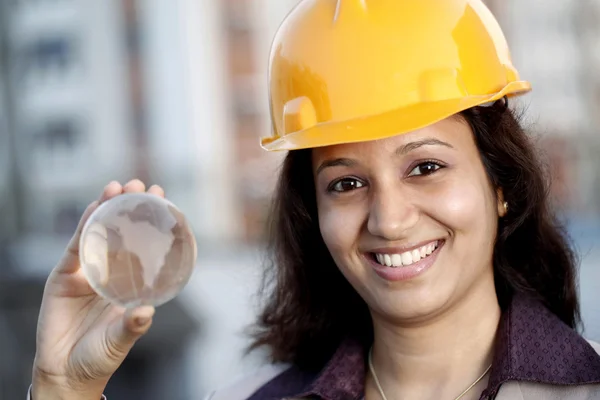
[372,369]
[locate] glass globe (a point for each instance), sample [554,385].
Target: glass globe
[137,249]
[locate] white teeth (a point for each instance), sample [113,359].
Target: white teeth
[406,258]
[416,255]
[430,249]
[387,259]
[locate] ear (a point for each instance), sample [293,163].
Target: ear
[502,204]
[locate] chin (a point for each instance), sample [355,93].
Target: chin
[416,306]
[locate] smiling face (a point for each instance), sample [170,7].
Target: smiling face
[410,220]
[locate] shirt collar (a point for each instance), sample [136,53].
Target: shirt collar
[534,345]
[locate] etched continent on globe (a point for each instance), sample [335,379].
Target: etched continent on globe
[137,249]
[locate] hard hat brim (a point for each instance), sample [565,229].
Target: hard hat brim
[385,125]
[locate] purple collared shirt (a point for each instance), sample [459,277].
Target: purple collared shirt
[533,345]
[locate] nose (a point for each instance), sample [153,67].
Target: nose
[391,215]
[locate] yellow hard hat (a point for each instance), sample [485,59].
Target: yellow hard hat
[355,70]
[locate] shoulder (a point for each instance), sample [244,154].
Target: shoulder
[595,345]
[249,383]
[536,390]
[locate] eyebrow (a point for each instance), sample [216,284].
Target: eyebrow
[406,148]
[338,162]
[402,150]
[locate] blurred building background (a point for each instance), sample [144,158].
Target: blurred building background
[174,92]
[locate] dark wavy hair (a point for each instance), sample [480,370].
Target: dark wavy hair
[311,306]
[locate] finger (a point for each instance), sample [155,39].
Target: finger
[111,190]
[134,186]
[123,334]
[156,190]
[70,261]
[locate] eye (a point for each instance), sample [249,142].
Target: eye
[425,168]
[345,185]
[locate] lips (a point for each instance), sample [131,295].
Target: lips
[395,265]
[406,258]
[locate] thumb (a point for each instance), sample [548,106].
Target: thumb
[133,325]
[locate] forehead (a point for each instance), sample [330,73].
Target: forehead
[453,130]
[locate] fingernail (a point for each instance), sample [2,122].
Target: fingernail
[142,320]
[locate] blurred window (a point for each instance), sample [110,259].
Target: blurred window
[57,146]
[59,134]
[48,56]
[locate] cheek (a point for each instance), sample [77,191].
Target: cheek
[340,227]
[465,207]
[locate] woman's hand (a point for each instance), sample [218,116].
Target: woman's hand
[82,338]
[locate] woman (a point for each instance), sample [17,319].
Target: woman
[415,255]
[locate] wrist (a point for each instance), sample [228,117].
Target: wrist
[43,388]
[39,392]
